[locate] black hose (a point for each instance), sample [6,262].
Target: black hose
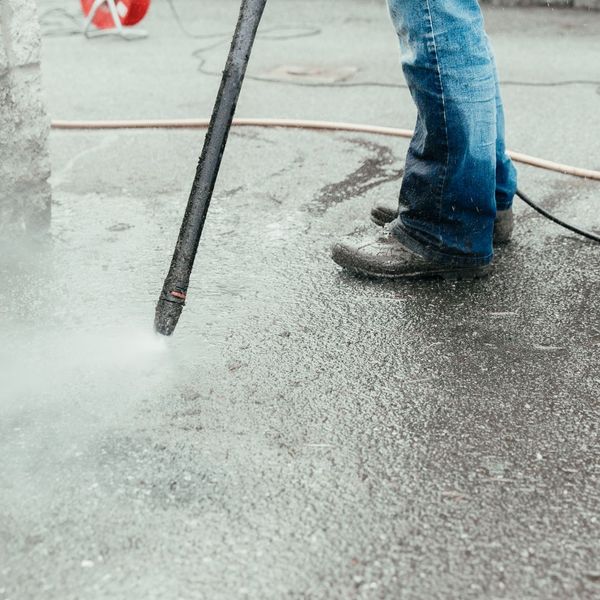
[586,234]
[173,295]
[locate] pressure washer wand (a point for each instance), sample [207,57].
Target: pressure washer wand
[173,295]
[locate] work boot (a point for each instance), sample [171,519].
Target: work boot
[387,257]
[384,212]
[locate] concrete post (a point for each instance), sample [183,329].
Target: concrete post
[24,125]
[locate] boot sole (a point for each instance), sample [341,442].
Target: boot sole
[453,275]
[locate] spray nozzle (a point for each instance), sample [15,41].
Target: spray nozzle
[168,311]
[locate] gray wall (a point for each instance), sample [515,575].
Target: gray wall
[24,125]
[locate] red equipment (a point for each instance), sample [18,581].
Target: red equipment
[128,12]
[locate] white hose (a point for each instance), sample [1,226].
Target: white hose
[313,125]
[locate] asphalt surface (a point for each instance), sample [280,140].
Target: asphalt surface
[305,434]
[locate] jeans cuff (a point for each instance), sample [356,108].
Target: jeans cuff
[505,201]
[504,205]
[433,254]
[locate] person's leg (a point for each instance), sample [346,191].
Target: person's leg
[385,211]
[447,200]
[506,174]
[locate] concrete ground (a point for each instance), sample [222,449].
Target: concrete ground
[305,434]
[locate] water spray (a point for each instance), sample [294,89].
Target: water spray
[174,292]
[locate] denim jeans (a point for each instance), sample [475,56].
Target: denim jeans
[457,173]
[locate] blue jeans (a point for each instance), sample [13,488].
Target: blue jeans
[457,173]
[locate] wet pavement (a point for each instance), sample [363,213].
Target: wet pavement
[305,434]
